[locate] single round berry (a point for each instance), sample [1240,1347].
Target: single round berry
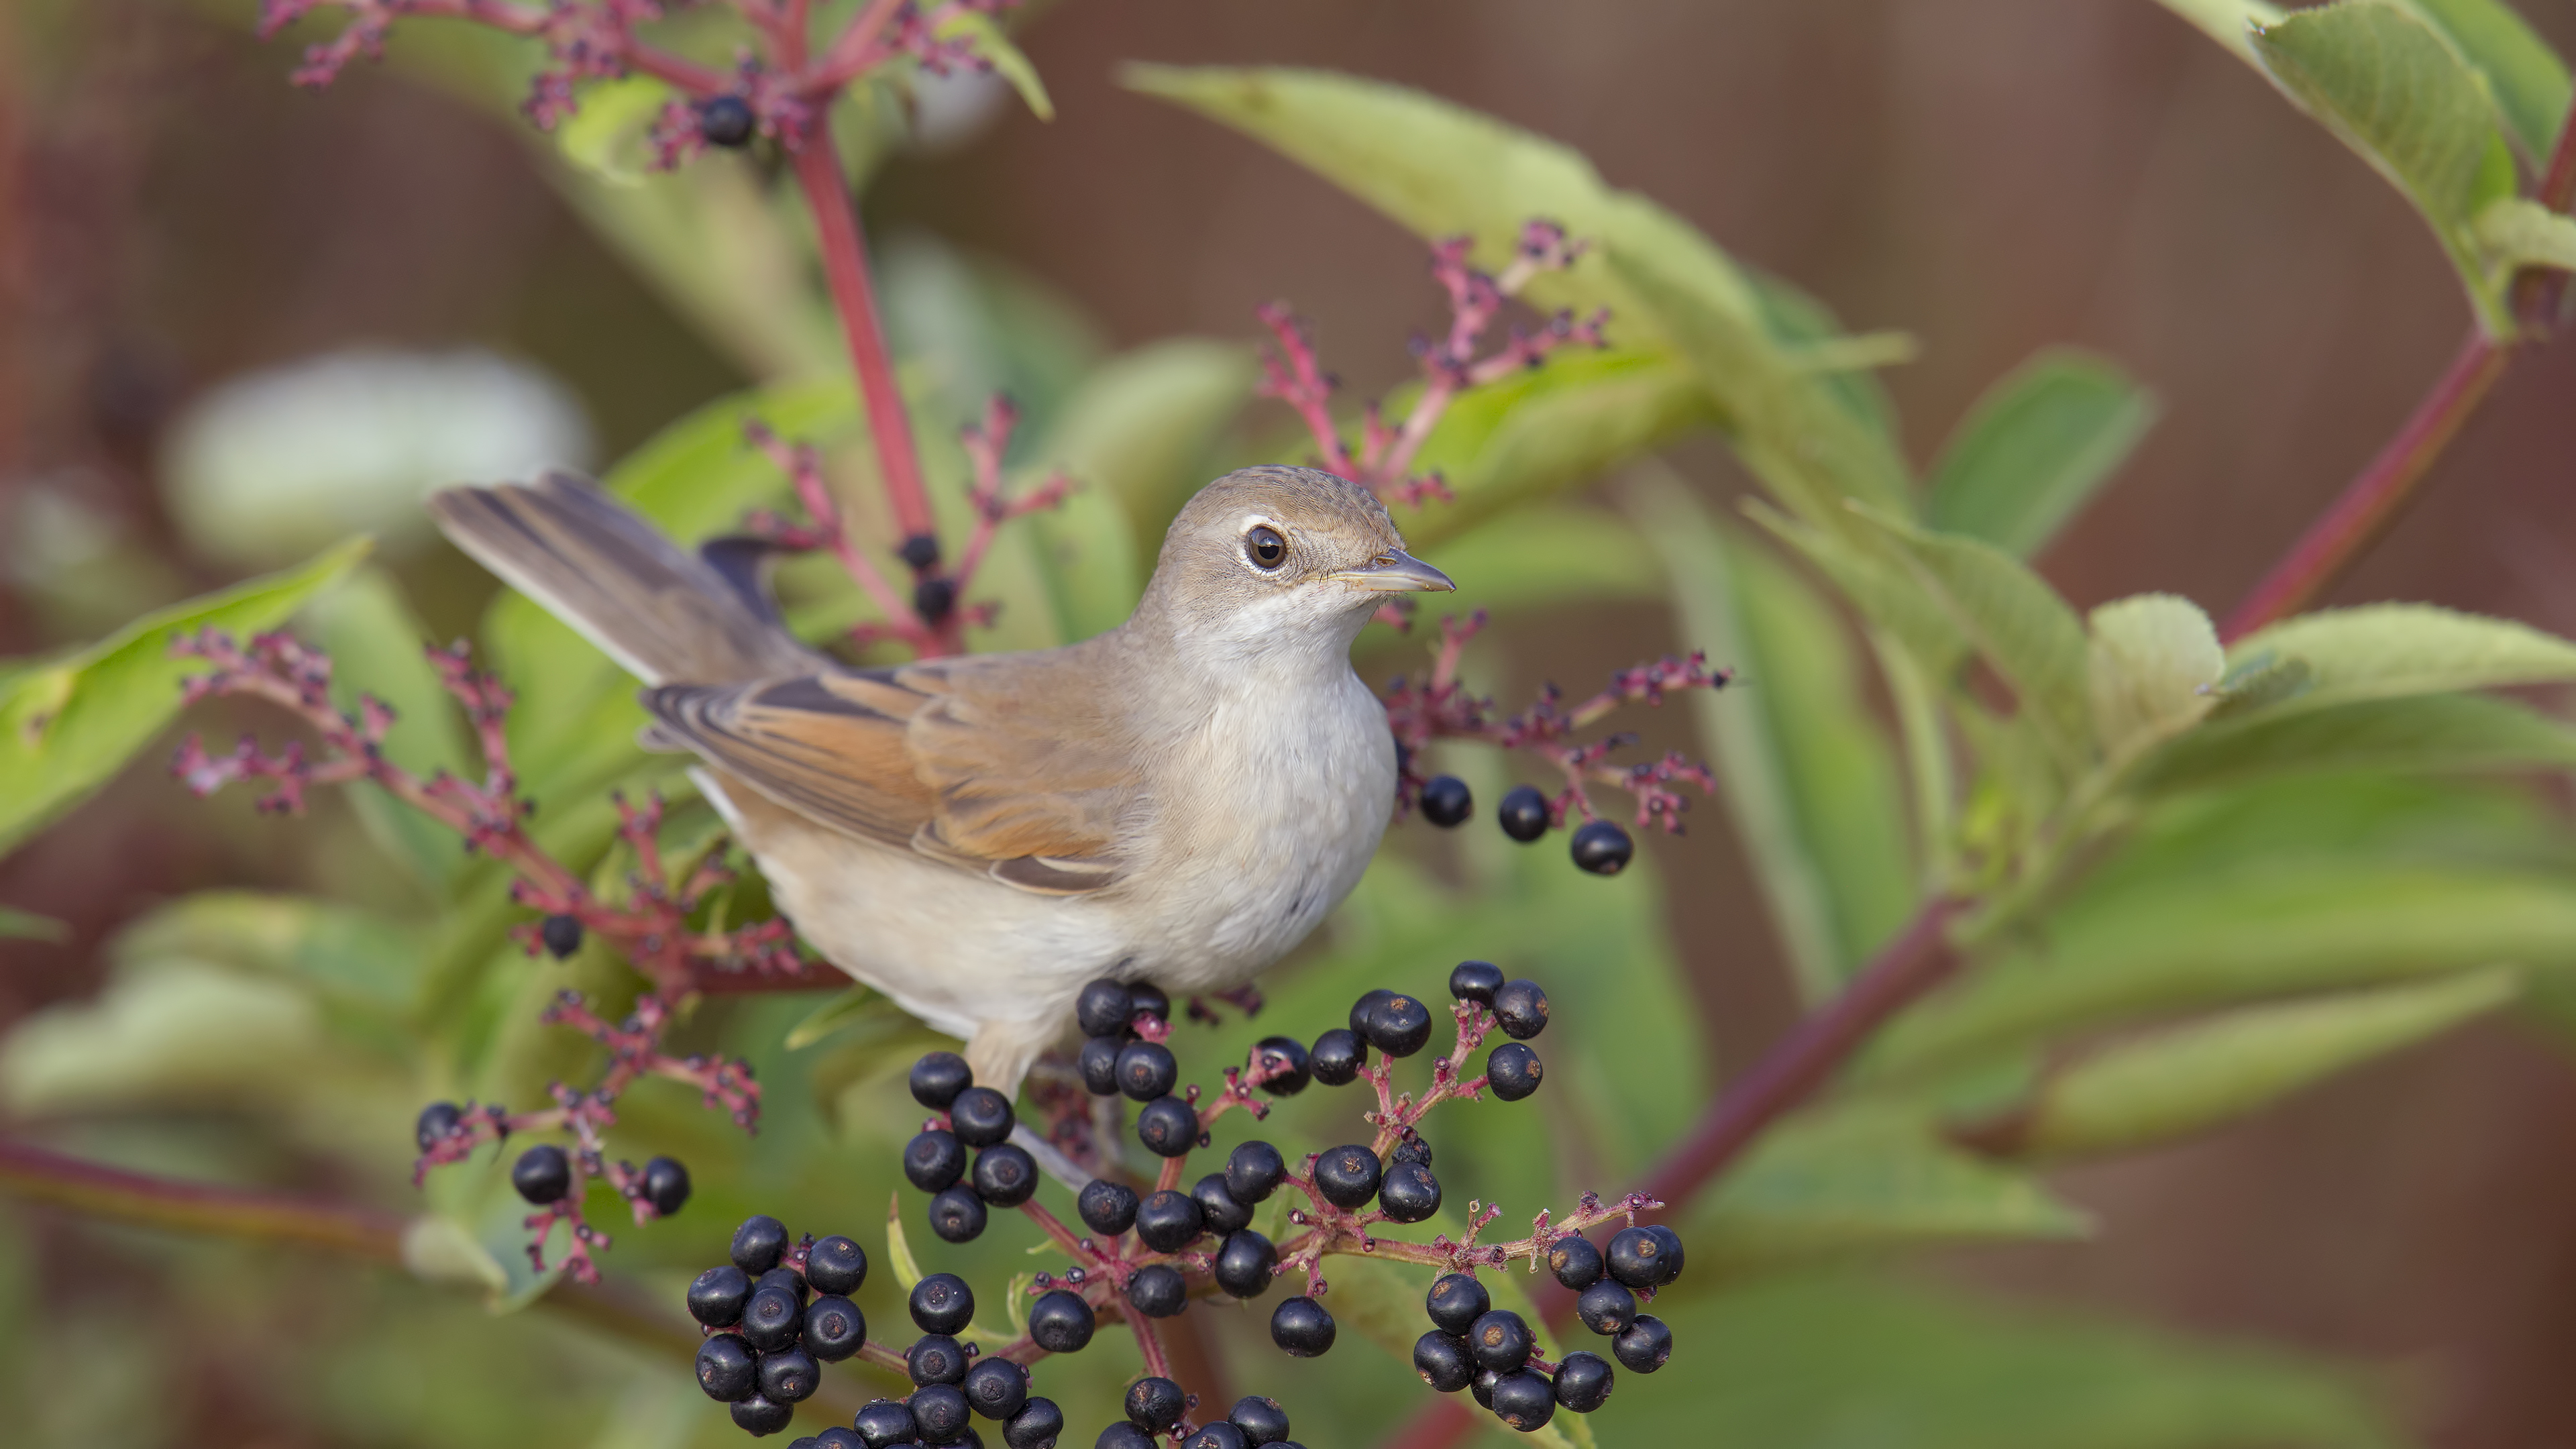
[1575,1262]
[1103,1008]
[1123,1435]
[1245,1264]
[935,1358]
[837,1437]
[716,1298]
[1005,1175]
[1218,1205]
[1150,1001]
[1409,1193]
[771,1318]
[726,121]
[834,1328]
[1523,813]
[934,1160]
[1282,1063]
[762,1417]
[1146,1070]
[727,1369]
[1584,1381]
[957,1215]
[1338,1057]
[1398,1026]
[1513,1071]
[1645,1345]
[542,1174]
[1636,1258]
[1671,1244]
[783,1278]
[836,1265]
[1158,1290]
[885,1423]
[1482,1386]
[1301,1327]
[939,1412]
[758,1242]
[1456,1301]
[937,1079]
[1260,1418]
[436,1121]
[1036,1426]
[1099,1064]
[996,1387]
[1347,1176]
[1521,1008]
[1155,1404]
[1447,802]
[666,1186]
[1170,1221]
[934,599]
[1107,1208]
[941,1303]
[1168,1127]
[980,1116]
[1602,847]
[1219,1435]
[562,935]
[789,1377]
[1411,1148]
[1524,1400]
[1253,1171]
[1475,981]
[1443,1361]
[1061,1322]
[1361,1009]
[920,550]
[1500,1340]
[1607,1307]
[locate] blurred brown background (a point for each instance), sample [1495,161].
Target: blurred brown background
[1990,175]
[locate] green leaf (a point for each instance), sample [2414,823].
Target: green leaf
[68,727]
[857,1006]
[2035,448]
[907,1271]
[1547,556]
[1145,424]
[184,1034]
[2154,666]
[2231,23]
[2186,1079]
[338,952]
[18,925]
[2528,81]
[375,643]
[1811,783]
[2384,651]
[2427,732]
[994,44]
[2516,233]
[608,137]
[2391,88]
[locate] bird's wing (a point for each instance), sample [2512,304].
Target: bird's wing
[996,770]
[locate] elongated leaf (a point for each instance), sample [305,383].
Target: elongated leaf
[2154,666]
[2231,23]
[337,952]
[2190,1078]
[2384,651]
[994,45]
[69,726]
[2035,448]
[2428,732]
[1547,556]
[2526,78]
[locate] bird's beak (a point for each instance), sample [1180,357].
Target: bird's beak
[1397,572]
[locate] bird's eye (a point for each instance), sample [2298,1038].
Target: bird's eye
[1265,548]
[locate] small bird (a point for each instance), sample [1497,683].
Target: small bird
[1179,800]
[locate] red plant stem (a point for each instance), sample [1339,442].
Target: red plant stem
[40,1175]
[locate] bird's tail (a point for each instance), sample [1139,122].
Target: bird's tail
[662,613]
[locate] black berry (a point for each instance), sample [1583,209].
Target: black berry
[716,1298]
[771,1318]
[1446,801]
[1603,848]
[1482,1386]
[941,1303]
[996,1387]
[1123,1435]
[1244,1265]
[1455,1302]
[1645,1345]
[939,1411]
[1443,1361]
[934,598]
[1099,1063]
[1584,1381]
[1005,1175]
[1398,1025]
[1521,1008]
[1061,1322]
[440,1118]
[1168,1127]
[1475,981]
[1513,1071]
[1253,1171]
[1523,813]
[1155,1404]
[1500,1340]
[542,1174]
[1411,1148]
[562,935]
[934,1160]
[1301,1327]
[666,1185]
[726,121]
[789,1377]
[1347,1176]
[886,1423]
[1575,1262]
[1282,1063]
[1524,1400]
[919,551]
[957,1215]
[1338,1057]
[758,1242]
[1408,1193]
[1158,1290]
[1107,1208]
[980,1116]
[762,1417]
[1170,1221]
[1219,1435]
[1607,1307]
[937,1079]
[935,1358]
[1260,1418]
[836,1437]
[784,1279]
[1150,1000]
[1361,1009]
[1218,1205]
[1671,1244]
[727,1371]
[1035,1426]
[1146,1070]
[1103,1008]
[836,1265]
[1636,1258]
[834,1328]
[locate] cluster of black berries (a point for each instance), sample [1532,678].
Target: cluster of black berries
[1002,1173]
[1491,1351]
[952,1383]
[1600,846]
[773,1317]
[1155,1406]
